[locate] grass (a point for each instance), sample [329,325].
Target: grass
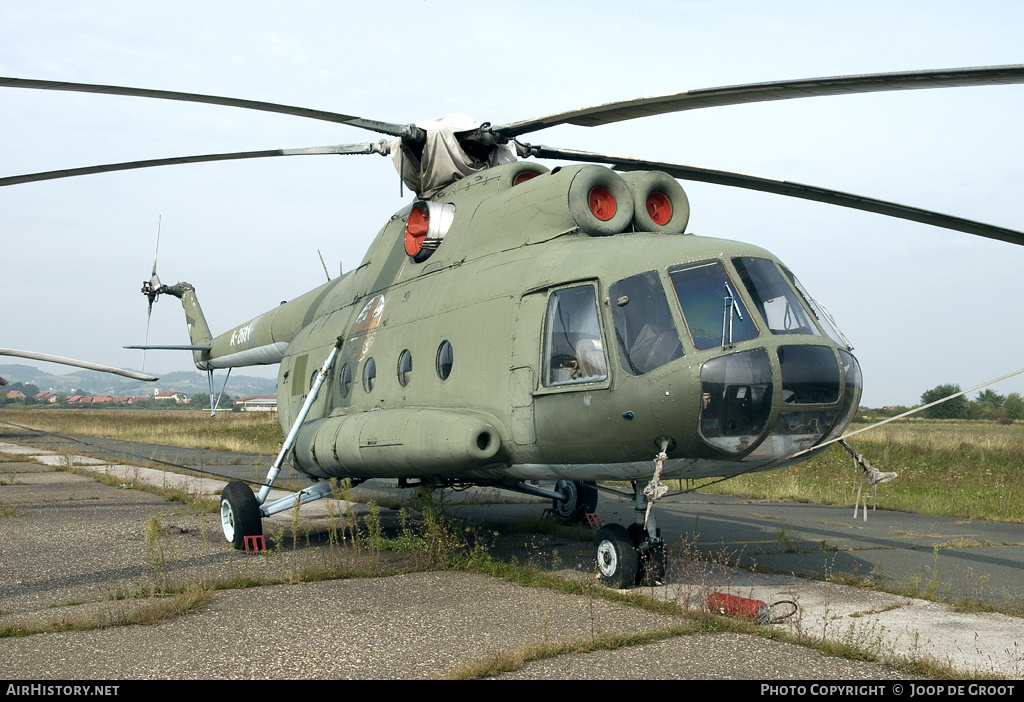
[146,611]
[246,432]
[968,470]
[508,661]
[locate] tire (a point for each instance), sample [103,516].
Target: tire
[616,556]
[239,513]
[651,560]
[581,501]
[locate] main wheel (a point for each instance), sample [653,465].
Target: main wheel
[581,500]
[651,557]
[239,513]
[616,556]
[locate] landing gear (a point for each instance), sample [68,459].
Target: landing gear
[581,500]
[239,513]
[617,560]
[651,555]
[633,556]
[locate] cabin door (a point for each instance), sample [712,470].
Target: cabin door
[572,394]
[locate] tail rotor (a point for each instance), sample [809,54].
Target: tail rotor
[151,288]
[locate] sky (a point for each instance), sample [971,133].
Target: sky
[921,306]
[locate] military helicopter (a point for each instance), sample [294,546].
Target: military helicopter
[518,324]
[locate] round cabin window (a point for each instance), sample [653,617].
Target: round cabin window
[404,368]
[369,375]
[345,380]
[444,360]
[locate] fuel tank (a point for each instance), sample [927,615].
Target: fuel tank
[395,443]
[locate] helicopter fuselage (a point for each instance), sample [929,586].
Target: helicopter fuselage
[545,335]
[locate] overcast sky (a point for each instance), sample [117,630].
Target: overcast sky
[922,306]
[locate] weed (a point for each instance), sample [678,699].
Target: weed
[156,561]
[784,539]
[66,603]
[375,537]
[277,539]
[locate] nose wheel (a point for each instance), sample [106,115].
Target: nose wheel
[617,558]
[651,555]
[633,556]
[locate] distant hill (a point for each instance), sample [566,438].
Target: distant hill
[86,382]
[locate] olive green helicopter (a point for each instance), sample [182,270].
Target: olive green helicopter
[518,325]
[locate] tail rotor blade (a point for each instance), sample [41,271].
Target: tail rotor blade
[149,315]
[153,290]
[153,277]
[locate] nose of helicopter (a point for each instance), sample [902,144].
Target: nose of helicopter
[743,414]
[768,403]
[768,375]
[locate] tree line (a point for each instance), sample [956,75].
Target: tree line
[987,405]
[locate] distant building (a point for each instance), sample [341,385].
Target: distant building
[178,397]
[15,395]
[258,403]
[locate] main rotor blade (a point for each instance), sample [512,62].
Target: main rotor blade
[399,130]
[790,189]
[129,165]
[73,362]
[763,92]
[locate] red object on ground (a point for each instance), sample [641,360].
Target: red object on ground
[736,606]
[255,544]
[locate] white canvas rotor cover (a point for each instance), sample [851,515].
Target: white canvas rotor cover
[443,161]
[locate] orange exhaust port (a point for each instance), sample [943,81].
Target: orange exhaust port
[659,208]
[602,203]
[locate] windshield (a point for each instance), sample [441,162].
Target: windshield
[714,313]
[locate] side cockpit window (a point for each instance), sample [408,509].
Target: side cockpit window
[573,347]
[775,299]
[644,330]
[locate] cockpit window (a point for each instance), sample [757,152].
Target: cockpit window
[810,375]
[777,302]
[573,349]
[736,400]
[711,305]
[854,385]
[644,330]
[823,315]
